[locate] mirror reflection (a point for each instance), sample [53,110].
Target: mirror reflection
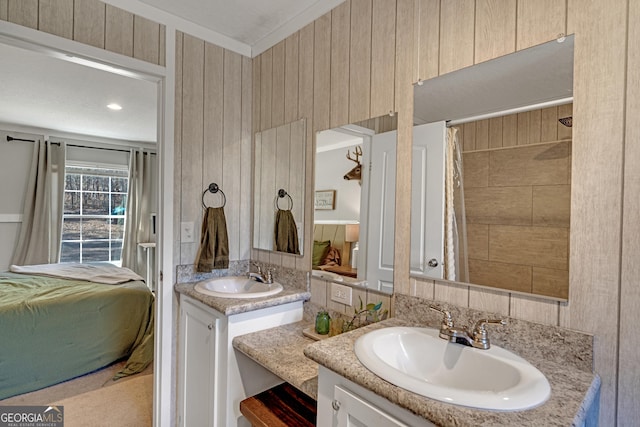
[354,203]
[504,207]
[279,168]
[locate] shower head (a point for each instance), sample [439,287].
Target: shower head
[567,121]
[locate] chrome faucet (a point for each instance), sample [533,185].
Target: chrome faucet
[261,277]
[478,337]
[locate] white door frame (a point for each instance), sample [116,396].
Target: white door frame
[164,77]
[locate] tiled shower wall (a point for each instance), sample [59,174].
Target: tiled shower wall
[517,191]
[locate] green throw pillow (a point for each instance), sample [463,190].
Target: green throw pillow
[320,250]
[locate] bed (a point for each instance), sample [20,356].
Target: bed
[57,327]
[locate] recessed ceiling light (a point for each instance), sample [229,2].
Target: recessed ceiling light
[114,106]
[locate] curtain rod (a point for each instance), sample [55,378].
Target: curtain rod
[522,109]
[99,148]
[10,138]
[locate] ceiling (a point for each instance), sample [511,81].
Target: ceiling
[334,139]
[56,95]
[254,25]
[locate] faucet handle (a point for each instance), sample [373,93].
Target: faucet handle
[269,275]
[480,324]
[258,267]
[447,320]
[480,335]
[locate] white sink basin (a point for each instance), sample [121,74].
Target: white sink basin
[237,287]
[418,360]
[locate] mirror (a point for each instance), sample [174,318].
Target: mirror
[507,180]
[354,204]
[279,188]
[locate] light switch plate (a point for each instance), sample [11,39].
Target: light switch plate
[341,293]
[186,232]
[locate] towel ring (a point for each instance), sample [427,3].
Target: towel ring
[281,194]
[213,188]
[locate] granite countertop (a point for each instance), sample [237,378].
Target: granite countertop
[573,390]
[281,350]
[230,306]
[286,352]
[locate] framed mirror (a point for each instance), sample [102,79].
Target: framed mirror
[506,180]
[279,188]
[355,170]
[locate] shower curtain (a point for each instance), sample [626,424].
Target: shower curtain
[41,229]
[456,266]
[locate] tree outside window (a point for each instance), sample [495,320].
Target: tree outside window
[95,201]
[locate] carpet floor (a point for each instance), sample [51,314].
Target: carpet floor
[126,404]
[96,400]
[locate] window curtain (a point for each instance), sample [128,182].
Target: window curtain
[41,230]
[138,214]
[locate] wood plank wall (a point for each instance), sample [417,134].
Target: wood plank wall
[328,78]
[428,35]
[411,40]
[212,142]
[597,190]
[93,23]
[628,408]
[420,39]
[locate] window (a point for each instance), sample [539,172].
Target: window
[95,201]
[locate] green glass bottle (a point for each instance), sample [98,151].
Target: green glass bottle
[323,322]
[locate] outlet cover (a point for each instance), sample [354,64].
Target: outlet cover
[341,293]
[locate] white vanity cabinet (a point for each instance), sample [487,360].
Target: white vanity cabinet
[212,377]
[199,364]
[342,403]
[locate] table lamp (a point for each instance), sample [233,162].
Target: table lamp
[352,235]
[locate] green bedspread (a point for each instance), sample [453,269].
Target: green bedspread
[53,329]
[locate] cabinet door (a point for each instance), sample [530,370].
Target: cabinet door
[355,412]
[198,365]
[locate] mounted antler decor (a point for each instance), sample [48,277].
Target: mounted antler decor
[356,172]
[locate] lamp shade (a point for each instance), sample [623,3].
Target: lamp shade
[352,232]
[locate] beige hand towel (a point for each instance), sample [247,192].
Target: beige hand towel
[214,242]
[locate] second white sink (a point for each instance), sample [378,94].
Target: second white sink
[418,360]
[237,287]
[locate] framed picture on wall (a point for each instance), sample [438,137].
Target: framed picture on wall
[325,200]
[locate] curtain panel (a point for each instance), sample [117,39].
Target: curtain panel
[139,209]
[41,229]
